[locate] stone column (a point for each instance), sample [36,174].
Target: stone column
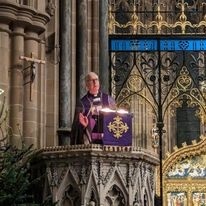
[4,72]
[4,56]
[81,47]
[30,114]
[94,28]
[42,97]
[103,45]
[16,89]
[65,74]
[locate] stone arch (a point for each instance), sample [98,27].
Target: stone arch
[146,199]
[117,179]
[143,191]
[72,196]
[148,191]
[115,197]
[69,193]
[137,199]
[137,189]
[144,195]
[184,174]
[92,194]
[116,191]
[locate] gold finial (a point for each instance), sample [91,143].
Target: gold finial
[159,23]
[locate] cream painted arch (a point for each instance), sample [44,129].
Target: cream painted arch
[184,175]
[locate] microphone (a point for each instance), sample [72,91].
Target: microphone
[96,100]
[97,106]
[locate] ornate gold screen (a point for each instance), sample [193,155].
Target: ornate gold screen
[139,71]
[184,175]
[137,68]
[157,17]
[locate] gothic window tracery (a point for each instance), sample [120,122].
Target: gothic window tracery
[72,196]
[115,197]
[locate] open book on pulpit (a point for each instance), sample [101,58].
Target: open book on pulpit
[116,126]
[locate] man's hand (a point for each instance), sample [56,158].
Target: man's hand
[83,120]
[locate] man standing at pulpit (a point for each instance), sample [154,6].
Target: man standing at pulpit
[86,126]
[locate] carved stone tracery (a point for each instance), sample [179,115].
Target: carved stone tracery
[103,177]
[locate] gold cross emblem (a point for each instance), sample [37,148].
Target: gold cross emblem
[118,127]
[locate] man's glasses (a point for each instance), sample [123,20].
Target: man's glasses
[93,80]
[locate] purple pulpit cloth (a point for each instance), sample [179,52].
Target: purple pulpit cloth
[117,129]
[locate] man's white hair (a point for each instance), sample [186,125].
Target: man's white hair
[89,75]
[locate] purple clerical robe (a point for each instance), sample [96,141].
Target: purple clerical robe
[90,106]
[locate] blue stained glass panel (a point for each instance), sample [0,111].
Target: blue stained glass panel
[158,44]
[133,45]
[183,45]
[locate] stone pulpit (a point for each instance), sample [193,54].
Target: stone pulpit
[100,175]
